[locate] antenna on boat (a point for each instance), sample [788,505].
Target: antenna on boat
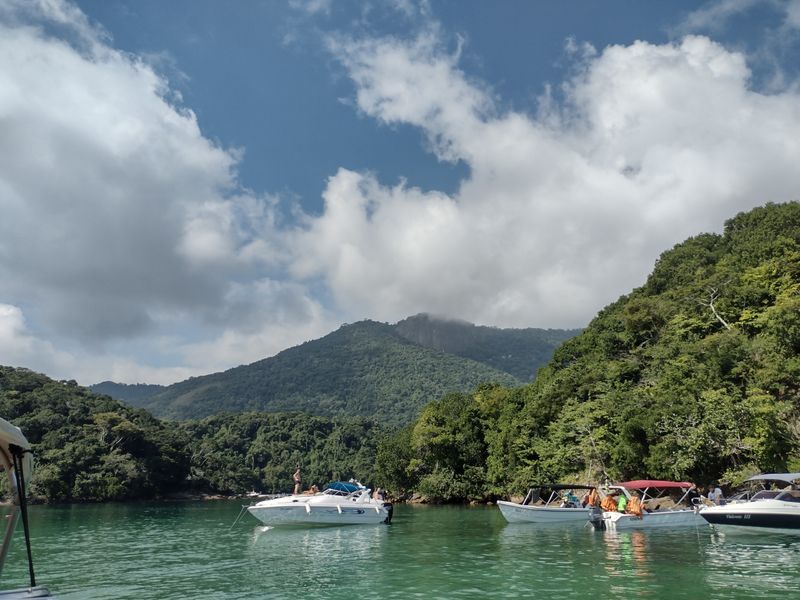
[17,454]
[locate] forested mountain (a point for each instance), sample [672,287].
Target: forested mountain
[364,369]
[89,447]
[520,352]
[693,376]
[130,393]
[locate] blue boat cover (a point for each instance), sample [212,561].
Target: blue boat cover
[343,486]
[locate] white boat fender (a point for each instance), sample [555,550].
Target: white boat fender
[339,508]
[308,508]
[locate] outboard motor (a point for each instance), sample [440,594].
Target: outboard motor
[596,518]
[389,510]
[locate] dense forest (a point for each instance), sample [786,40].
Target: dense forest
[693,376]
[89,447]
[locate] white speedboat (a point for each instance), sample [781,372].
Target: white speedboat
[654,493]
[340,503]
[776,511]
[16,460]
[556,503]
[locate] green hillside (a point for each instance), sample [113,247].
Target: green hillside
[364,369]
[695,375]
[131,393]
[89,447]
[520,352]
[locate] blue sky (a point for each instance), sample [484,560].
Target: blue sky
[192,185]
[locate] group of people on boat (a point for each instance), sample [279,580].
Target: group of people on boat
[616,502]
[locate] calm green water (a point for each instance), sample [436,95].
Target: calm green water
[182,550]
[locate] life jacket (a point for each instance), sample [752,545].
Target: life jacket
[609,504]
[634,507]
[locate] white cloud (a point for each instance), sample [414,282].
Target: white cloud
[128,250]
[563,212]
[120,218]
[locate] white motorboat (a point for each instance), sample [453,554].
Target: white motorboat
[340,503]
[16,460]
[555,503]
[775,511]
[653,494]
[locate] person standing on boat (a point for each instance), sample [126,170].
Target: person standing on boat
[593,498]
[296,478]
[622,504]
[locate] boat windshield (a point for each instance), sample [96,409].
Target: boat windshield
[789,496]
[766,495]
[342,488]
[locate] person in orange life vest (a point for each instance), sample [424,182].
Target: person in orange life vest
[609,503]
[635,507]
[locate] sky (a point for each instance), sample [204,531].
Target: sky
[192,185]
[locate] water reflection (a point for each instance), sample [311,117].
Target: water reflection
[753,564]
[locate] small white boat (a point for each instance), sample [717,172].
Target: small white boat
[653,517]
[16,460]
[770,511]
[555,503]
[340,503]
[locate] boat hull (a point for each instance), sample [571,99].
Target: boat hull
[308,514]
[754,517]
[523,513]
[653,520]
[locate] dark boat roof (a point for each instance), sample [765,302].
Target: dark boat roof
[785,477]
[563,486]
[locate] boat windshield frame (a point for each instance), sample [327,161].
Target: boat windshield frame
[345,489]
[789,496]
[535,492]
[660,487]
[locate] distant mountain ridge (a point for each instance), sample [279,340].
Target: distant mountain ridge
[377,370]
[519,352]
[127,392]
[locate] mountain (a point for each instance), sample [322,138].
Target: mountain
[130,393]
[363,369]
[519,352]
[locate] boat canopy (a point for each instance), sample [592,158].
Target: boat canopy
[785,477]
[9,434]
[641,484]
[343,486]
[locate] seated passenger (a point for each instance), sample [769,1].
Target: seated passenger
[634,507]
[609,503]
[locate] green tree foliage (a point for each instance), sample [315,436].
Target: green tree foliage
[90,447]
[237,452]
[695,375]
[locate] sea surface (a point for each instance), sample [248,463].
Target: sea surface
[194,550]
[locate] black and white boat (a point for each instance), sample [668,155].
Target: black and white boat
[770,510]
